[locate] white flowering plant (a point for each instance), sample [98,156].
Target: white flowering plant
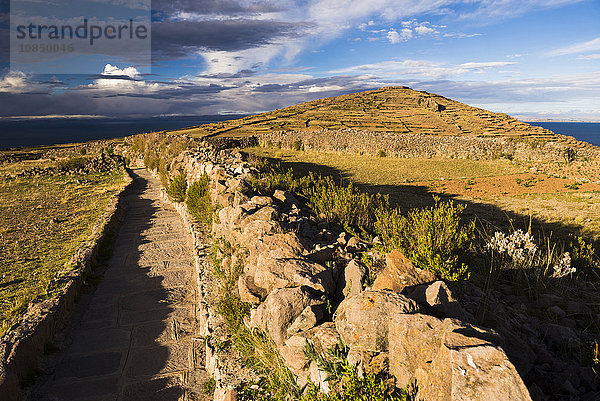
[519,251]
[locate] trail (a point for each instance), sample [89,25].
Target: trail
[134,337]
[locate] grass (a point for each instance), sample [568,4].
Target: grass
[376,170]
[256,349]
[198,201]
[44,219]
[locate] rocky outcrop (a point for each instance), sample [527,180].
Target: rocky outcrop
[305,282]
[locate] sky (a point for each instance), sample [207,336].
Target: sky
[532,59]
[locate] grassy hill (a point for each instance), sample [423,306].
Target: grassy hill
[392,109]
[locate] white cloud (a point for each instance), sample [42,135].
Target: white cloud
[581,47]
[130,72]
[424,30]
[595,56]
[14,82]
[423,68]
[394,37]
[130,82]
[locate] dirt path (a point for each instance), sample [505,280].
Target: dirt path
[135,337]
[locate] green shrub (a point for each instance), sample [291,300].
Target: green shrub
[346,205]
[382,153]
[432,238]
[584,257]
[198,201]
[177,188]
[345,382]
[297,145]
[73,163]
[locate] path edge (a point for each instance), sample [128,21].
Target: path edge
[22,346]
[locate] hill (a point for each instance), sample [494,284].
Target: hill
[391,109]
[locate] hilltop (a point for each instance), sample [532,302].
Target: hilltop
[400,110]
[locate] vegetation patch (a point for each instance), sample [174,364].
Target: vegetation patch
[433,238]
[177,188]
[198,201]
[44,220]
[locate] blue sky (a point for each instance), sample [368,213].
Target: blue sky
[528,58]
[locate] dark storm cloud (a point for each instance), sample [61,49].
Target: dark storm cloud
[183,91]
[176,39]
[207,7]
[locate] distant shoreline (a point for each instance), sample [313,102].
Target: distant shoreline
[558,121]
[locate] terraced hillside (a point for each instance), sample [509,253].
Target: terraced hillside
[392,109]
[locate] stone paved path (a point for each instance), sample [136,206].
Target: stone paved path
[135,338]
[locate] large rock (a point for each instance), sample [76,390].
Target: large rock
[399,273]
[451,360]
[439,298]
[363,320]
[350,282]
[273,272]
[281,308]
[322,337]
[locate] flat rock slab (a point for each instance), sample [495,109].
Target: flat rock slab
[135,337]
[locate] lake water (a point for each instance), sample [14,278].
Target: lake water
[55,131]
[588,132]
[51,131]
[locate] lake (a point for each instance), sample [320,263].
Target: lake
[588,132]
[15,133]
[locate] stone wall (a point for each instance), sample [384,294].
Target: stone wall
[304,281]
[22,346]
[418,145]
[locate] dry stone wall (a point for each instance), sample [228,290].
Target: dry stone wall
[418,145]
[305,282]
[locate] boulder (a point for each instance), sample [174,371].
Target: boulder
[362,320]
[257,230]
[244,291]
[399,272]
[266,213]
[322,337]
[261,200]
[451,360]
[322,255]
[279,310]
[273,272]
[285,197]
[309,318]
[440,299]
[350,282]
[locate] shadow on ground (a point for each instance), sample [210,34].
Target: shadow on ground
[124,341]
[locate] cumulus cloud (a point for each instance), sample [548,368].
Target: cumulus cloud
[14,82]
[395,37]
[424,30]
[123,80]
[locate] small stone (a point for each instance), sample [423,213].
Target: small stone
[261,200]
[548,300]
[577,308]
[343,238]
[568,387]
[557,311]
